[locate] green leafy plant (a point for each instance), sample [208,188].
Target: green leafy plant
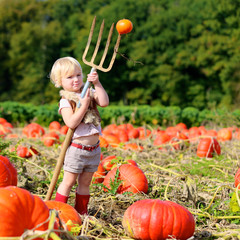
[114,184]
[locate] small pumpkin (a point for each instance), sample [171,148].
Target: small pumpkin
[132,179]
[20,211]
[64,129]
[207,146]
[33,130]
[50,138]
[152,219]
[99,175]
[124,26]
[224,134]
[109,161]
[54,126]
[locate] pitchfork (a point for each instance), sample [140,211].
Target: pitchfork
[87,84]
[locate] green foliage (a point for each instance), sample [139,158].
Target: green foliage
[23,113]
[190,115]
[114,184]
[180,53]
[20,113]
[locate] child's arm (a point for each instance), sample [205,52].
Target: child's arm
[100,95]
[73,119]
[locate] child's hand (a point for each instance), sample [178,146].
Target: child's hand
[93,78]
[85,101]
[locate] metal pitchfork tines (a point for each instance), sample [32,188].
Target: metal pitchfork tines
[87,84]
[91,62]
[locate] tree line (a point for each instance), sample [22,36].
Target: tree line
[180,52]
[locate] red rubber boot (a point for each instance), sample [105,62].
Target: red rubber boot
[61,198]
[82,203]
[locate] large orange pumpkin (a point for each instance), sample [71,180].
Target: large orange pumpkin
[8,173]
[20,211]
[153,219]
[67,213]
[133,179]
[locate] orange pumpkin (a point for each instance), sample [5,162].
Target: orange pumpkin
[64,130]
[112,139]
[133,133]
[208,146]
[133,146]
[108,162]
[99,175]
[8,173]
[2,120]
[161,138]
[172,131]
[122,135]
[20,211]
[33,130]
[132,179]
[152,219]
[54,126]
[22,151]
[124,26]
[103,142]
[144,133]
[181,126]
[67,214]
[130,161]
[50,138]
[224,134]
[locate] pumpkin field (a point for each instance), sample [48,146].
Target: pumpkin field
[152,183]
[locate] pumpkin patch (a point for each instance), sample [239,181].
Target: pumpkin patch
[170,169]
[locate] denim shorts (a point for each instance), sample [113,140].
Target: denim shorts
[78,160]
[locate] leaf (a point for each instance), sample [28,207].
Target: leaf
[234,207]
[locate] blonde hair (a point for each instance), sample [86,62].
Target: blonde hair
[62,67]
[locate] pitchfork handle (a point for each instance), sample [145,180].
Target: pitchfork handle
[87,84]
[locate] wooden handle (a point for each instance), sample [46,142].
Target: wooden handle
[59,164]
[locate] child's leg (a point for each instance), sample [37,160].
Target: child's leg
[69,180]
[82,193]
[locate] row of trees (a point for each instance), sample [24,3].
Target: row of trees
[180,52]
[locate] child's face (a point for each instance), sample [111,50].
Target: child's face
[72,81]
